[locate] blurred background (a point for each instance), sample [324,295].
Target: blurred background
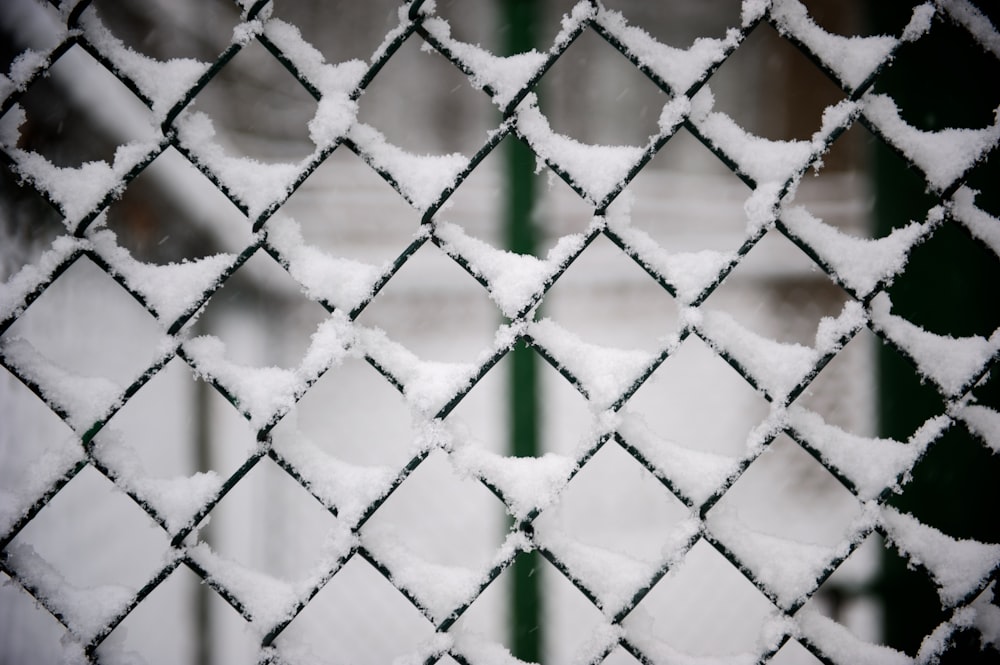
[685,198]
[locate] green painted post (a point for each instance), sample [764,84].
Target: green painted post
[949,288]
[518,17]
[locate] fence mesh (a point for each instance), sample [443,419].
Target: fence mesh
[787,573]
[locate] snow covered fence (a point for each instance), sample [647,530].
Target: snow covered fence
[786,571]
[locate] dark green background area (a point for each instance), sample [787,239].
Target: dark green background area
[949,287]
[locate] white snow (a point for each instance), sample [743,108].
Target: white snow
[175,500]
[527,483]
[972,19]
[164,83]
[596,169]
[255,184]
[942,155]
[695,473]
[983,421]
[54,463]
[980,223]
[948,361]
[505,76]
[777,367]
[690,273]
[477,649]
[268,600]
[763,160]
[86,610]
[602,638]
[171,290]
[341,78]
[427,385]
[84,399]
[613,577]
[22,68]
[988,616]
[660,651]
[605,373]
[341,282]
[679,68]
[958,567]
[336,83]
[262,393]
[861,263]
[15,290]
[582,12]
[852,59]
[421,178]
[871,464]
[438,588]
[938,640]
[788,568]
[842,646]
[514,279]
[76,190]
[348,488]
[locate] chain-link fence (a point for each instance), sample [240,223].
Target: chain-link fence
[796,573]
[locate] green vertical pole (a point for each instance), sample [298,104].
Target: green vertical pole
[518,20]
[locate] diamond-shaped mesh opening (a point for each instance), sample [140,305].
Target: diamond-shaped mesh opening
[952,72]
[480,418]
[157,226]
[111,337]
[720,615]
[359,616]
[180,600]
[615,505]
[694,423]
[287,553]
[619,294]
[458,525]
[568,424]
[762,69]
[235,635]
[848,595]
[347,210]
[795,295]
[275,107]
[169,395]
[566,605]
[625,105]
[950,471]
[70,129]
[429,299]
[164,33]
[342,31]
[837,396]
[793,653]
[123,551]
[441,107]
[333,417]
[912,596]
[963,313]
[263,293]
[479,206]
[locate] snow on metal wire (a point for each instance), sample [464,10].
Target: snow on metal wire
[963,570]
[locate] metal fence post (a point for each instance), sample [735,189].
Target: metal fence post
[525,605]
